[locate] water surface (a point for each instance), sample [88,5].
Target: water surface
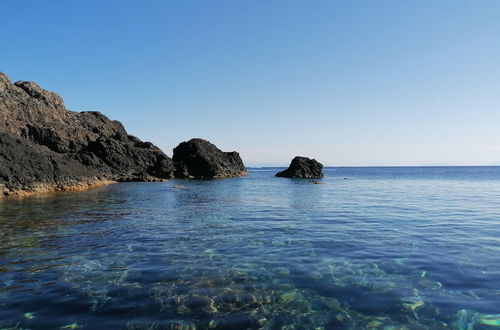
[376,248]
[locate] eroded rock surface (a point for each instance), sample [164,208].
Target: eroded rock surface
[303,168]
[198,158]
[44,144]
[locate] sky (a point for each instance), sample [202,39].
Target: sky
[349,83]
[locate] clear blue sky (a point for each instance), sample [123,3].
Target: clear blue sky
[352,82]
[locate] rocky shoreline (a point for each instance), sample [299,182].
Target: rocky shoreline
[44,188]
[45,147]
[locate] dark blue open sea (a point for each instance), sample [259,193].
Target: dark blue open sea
[370,248]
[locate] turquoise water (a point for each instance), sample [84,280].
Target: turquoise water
[379,248]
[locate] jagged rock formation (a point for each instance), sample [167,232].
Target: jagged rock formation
[43,146]
[303,168]
[198,158]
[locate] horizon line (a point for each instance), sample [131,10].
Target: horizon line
[344,166]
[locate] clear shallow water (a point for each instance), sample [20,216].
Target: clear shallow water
[384,248]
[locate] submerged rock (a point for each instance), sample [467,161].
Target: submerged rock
[428,284]
[236,321]
[303,168]
[44,146]
[492,320]
[164,325]
[198,158]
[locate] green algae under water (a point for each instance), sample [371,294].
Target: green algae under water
[389,248]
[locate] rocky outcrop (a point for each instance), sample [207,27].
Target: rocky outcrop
[45,146]
[303,168]
[198,158]
[25,167]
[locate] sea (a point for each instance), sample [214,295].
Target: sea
[366,248]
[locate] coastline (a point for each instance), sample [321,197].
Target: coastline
[45,188]
[238,175]
[44,147]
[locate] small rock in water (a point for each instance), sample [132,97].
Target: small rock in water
[73,325]
[182,325]
[343,316]
[294,302]
[194,301]
[170,324]
[278,243]
[283,271]
[492,320]
[235,321]
[375,324]
[287,297]
[315,182]
[304,168]
[210,253]
[29,316]
[465,320]
[428,284]
[316,275]
[412,303]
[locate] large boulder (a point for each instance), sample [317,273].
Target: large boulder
[200,159]
[69,146]
[303,168]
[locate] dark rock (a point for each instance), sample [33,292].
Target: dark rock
[42,143]
[235,321]
[131,162]
[44,136]
[25,166]
[198,158]
[304,168]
